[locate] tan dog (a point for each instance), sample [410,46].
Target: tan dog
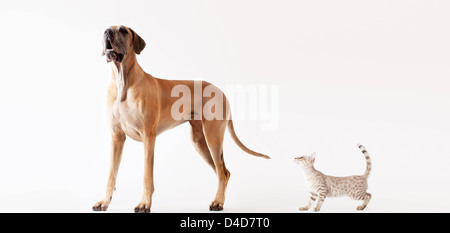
[140,107]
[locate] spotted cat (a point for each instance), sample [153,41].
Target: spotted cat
[322,186]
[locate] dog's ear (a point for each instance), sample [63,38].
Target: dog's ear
[138,42]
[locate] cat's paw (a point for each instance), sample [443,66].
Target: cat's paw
[316,209]
[361,207]
[303,208]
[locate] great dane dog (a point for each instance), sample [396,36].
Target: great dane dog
[140,106]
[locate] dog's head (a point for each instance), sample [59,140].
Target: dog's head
[118,41]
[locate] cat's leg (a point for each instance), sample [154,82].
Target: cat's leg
[312,199]
[322,196]
[366,198]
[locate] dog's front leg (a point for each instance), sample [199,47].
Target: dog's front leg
[117,142]
[149,188]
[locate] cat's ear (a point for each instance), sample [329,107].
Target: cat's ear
[312,157]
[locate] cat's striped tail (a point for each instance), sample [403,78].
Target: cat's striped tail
[368,162]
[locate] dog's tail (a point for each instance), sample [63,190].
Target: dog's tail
[239,143]
[368,162]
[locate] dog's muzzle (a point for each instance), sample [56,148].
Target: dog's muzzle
[112,55]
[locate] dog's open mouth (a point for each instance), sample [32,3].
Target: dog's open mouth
[112,55]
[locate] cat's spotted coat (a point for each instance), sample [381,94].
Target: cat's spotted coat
[322,186]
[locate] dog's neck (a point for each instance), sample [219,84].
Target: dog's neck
[126,73]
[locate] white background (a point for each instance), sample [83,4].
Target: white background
[369,72]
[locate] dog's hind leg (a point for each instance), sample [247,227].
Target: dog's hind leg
[198,139]
[214,131]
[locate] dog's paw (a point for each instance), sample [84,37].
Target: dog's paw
[142,208]
[216,206]
[100,206]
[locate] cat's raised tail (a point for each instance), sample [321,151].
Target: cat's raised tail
[368,162]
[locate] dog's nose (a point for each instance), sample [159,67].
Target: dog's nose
[108,32]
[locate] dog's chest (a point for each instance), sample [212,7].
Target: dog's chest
[130,118]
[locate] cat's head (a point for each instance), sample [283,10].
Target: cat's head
[305,160]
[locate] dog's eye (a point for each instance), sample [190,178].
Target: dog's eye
[123,30]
